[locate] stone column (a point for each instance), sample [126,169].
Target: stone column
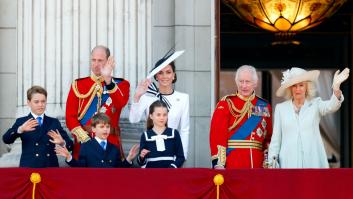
[54,40]
[189,24]
[8,62]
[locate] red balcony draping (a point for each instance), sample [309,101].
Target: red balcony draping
[66,183]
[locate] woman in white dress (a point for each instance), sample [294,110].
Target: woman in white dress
[177,102]
[296,140]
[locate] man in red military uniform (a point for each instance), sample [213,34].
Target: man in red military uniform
[99,92]
[241,125]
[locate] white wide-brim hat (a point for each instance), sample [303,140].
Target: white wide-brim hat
[295,75]
[165,61]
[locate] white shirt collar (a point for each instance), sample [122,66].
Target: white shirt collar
[35,116]
[100,140]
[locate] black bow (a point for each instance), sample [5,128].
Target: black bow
[152,89]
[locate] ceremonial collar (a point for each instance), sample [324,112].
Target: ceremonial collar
[250,98]
[96,78]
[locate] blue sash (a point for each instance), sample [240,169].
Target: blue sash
[93,106]
[245,129]
[92,109]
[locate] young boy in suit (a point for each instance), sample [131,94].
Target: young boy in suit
[98,152]
[38,132]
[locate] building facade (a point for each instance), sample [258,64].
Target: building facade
[48,43]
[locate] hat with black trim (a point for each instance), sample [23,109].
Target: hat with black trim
[170,56]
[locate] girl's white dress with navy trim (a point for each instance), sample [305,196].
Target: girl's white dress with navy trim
[178,115]
[166,149]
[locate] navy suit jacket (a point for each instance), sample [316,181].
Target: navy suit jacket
[93,155]
[37,150]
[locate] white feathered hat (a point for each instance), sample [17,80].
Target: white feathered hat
[296,75]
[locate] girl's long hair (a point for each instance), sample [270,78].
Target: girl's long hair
[156,104]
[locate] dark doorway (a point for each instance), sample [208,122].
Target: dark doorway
[325,47]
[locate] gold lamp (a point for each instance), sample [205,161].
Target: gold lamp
[284,16]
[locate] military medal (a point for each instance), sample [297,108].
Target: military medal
[259,132]
[103,109]
[263,123]
[254,110]
[260,110]
[109,101]
[266,111]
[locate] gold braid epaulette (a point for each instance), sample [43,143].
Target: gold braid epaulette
[246,110]
[82,96]
[96,86]
[224,98]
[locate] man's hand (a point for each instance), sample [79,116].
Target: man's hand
[107,69]
[141,89]
[339,78]
[56,137]
[29,125]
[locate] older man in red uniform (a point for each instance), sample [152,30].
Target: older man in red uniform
[99,92]
[241,125]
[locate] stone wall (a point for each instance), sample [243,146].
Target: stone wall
[49,42]
[8,66]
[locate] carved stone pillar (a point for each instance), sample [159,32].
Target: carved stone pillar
[55,39]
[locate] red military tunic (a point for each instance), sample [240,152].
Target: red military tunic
[241,130]
[90,95]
